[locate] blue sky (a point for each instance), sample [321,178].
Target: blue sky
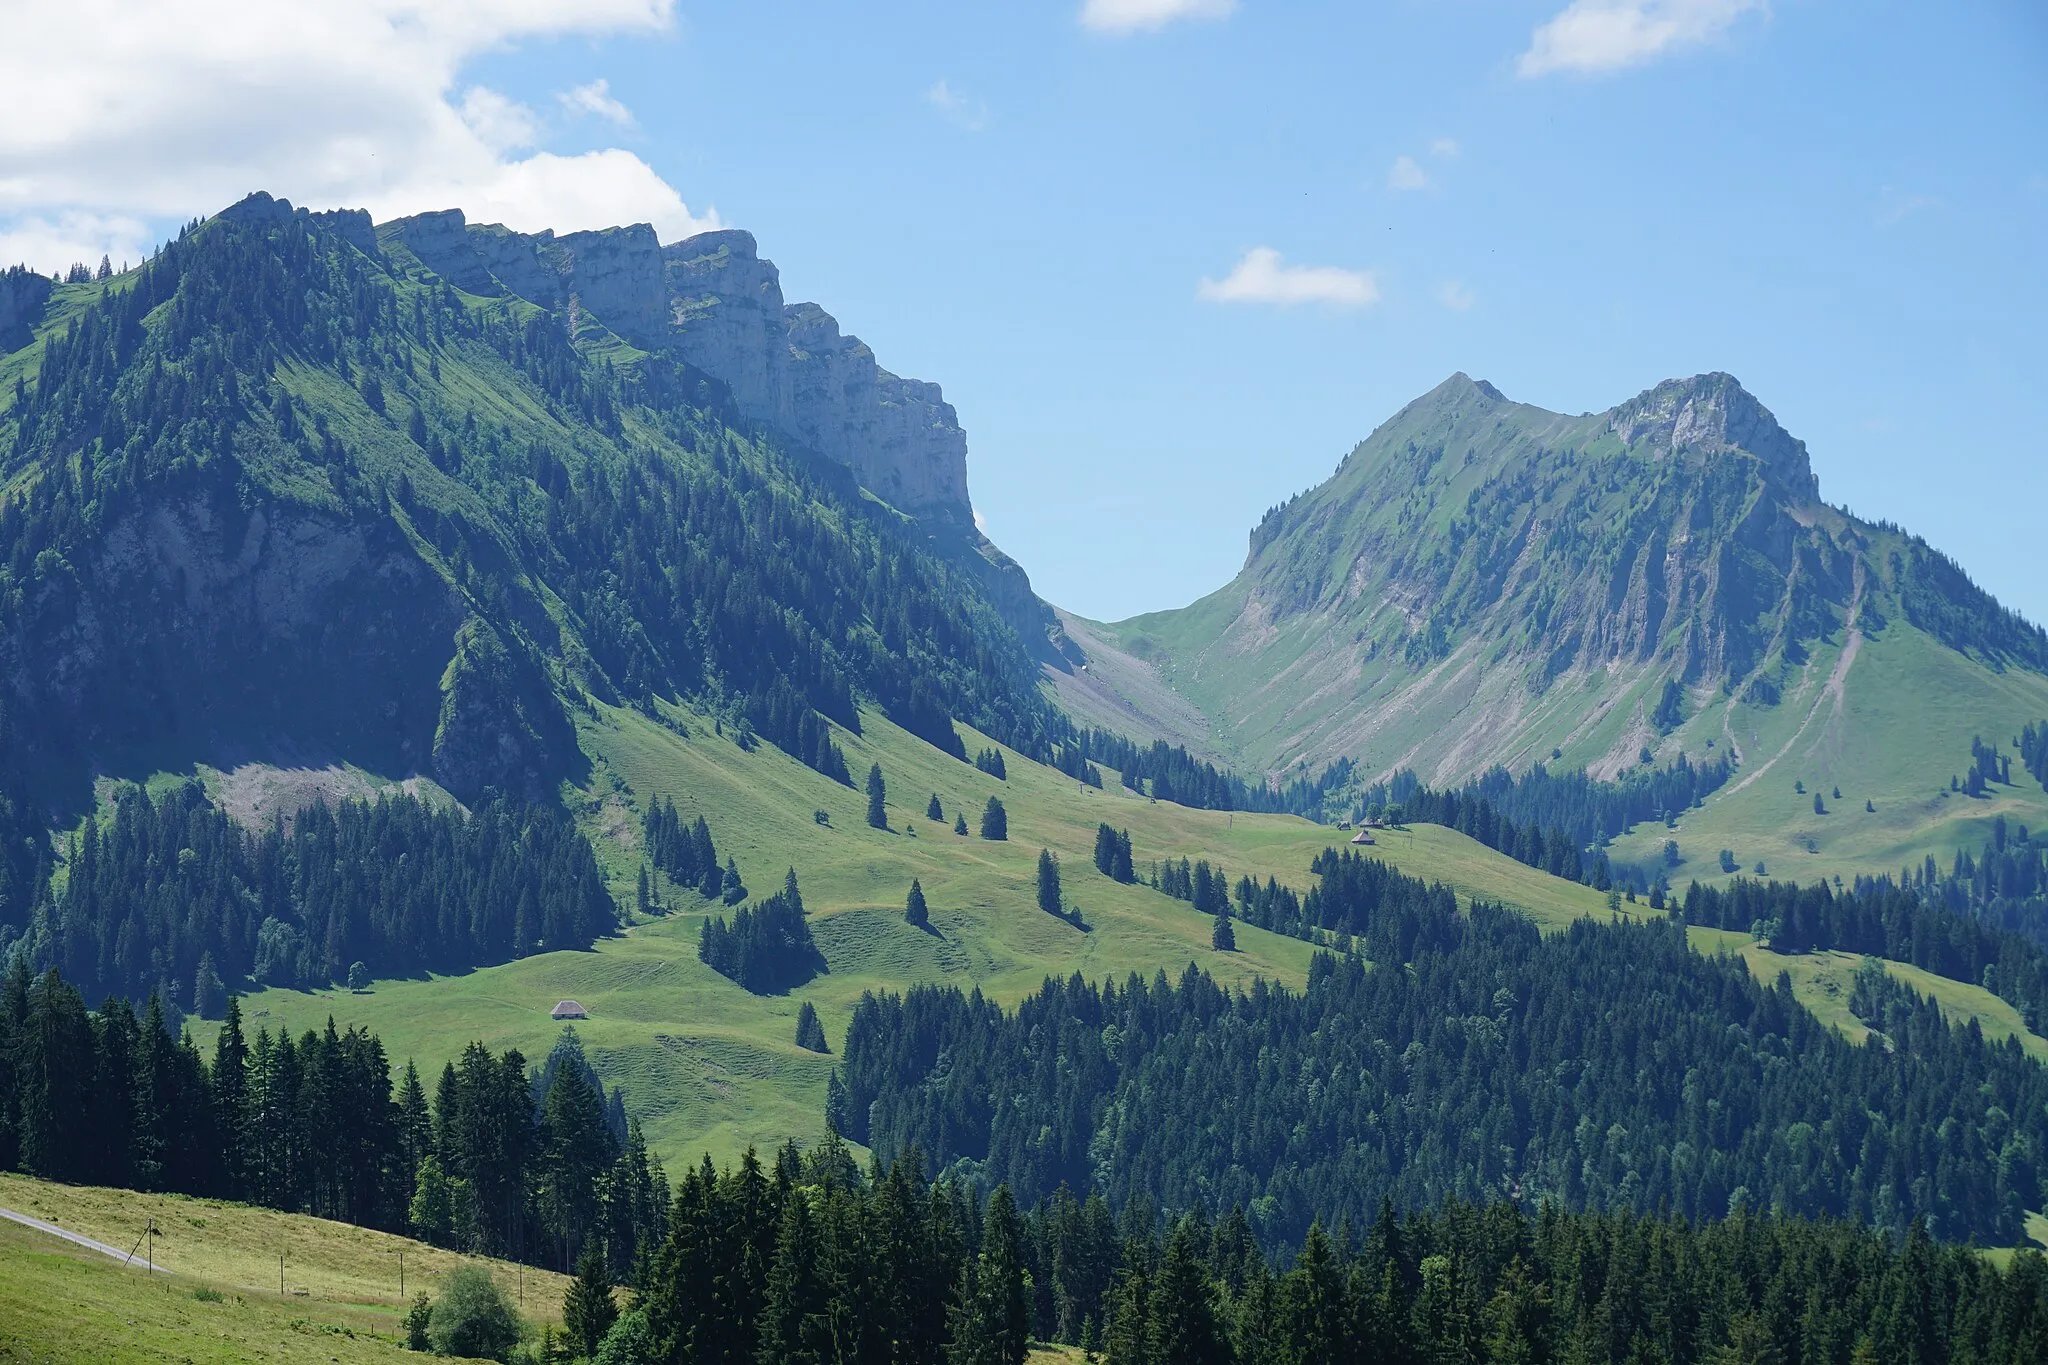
[1091,226]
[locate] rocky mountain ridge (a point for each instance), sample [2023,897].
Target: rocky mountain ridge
[712,300]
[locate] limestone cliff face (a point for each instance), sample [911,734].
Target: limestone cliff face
[614,275]
[726,306]
[713,301]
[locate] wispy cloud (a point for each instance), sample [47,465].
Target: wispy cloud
[596,98]
[1592,36]
[1898,207]
[1262,276]
[1453,295]
[1445,147]
[1136,16]
[958,109]
[1406,174]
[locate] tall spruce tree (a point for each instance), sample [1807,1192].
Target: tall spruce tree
[1048,882]
[878,791]
[588,1309]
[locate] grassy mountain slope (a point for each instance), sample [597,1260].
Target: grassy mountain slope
[706,1064]
[1483,582]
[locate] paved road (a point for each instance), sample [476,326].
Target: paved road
[76,1238]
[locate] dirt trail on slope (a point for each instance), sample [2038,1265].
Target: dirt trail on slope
[1833,690]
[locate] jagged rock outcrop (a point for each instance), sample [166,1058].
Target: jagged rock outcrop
[613,275]
[1714,414]
[713,301]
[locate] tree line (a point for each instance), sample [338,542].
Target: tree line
[1168,772]
[2033,747]
[1608,1067]
[503,1160]
[168,895]
[811,1260]
[1552,821]
[1883,919]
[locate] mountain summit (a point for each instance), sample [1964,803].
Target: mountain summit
[1484,582]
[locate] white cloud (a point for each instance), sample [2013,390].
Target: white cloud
[53,241]
[150,113]
[1261,276]
[958,109]
[1405,174]
[1591,36]
[596,98]
[503,125]
[1455,296]
[1446,147]
[1133,16]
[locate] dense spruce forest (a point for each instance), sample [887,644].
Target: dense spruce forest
[1883,919]
[810,1259]
[1609,1067]
[1555,822]
[809,1262]
[1168,772]
[499,1161]
[168,895]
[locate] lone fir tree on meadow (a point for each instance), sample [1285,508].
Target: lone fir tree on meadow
[914,910]
[934,811]
[1222,937]
[995,821]
[878,792]
[810,1031]
[1048,882]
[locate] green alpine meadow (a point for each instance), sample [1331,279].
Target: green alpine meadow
[535,824]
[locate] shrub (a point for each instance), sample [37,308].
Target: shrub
[472,1318]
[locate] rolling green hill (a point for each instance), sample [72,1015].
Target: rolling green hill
[1486,583]
[707,1065]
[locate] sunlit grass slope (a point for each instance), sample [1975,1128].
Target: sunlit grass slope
[706,1065]
[1822,981]
[1892,734]
[341,1300]
[235,1247]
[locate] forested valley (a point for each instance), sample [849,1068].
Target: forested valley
[1609,1067]
[814,1259]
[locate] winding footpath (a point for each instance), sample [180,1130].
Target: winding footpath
[76,1238]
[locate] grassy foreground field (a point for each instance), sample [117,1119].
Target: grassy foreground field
[235,1248]
[215,1296]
